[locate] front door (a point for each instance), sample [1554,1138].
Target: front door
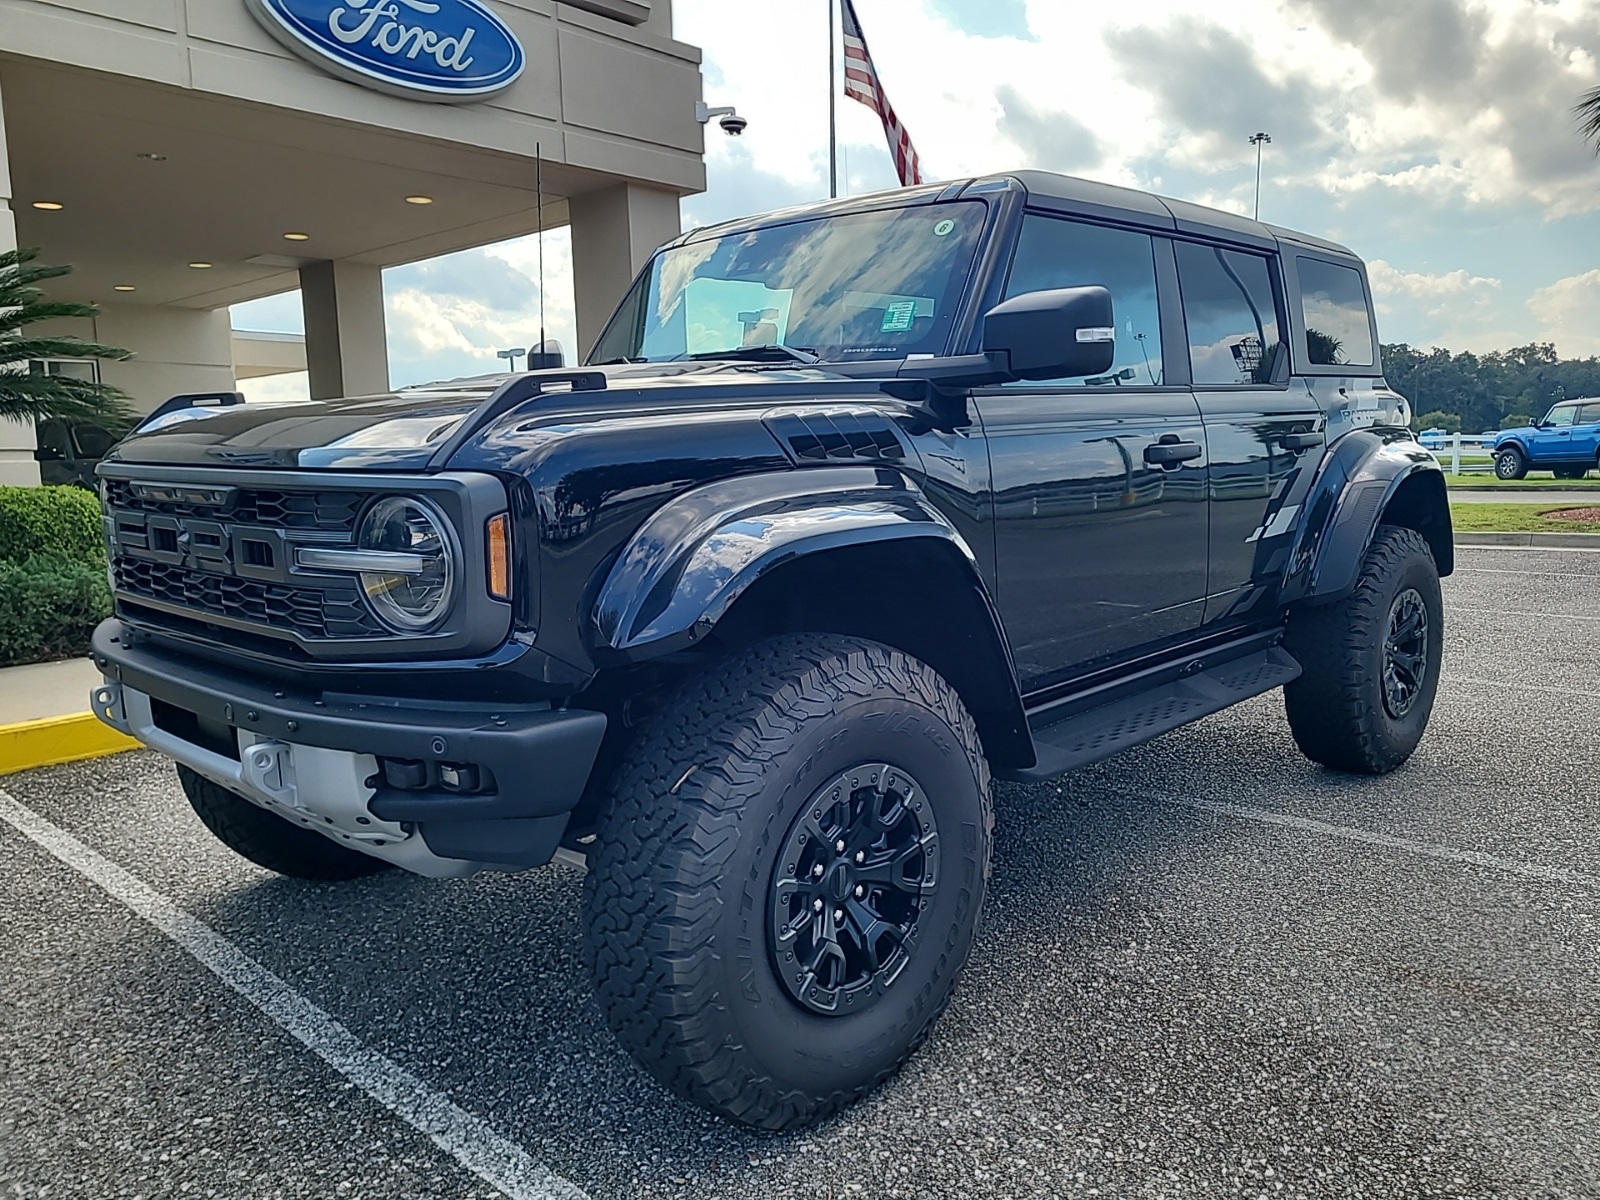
[1551,443]
[1265,439]
[1099,483]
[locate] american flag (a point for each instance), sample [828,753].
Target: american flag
[861,83]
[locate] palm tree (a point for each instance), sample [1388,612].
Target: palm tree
[25,396]
[1588,111]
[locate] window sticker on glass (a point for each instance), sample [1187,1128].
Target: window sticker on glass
[944,229]
[897,317]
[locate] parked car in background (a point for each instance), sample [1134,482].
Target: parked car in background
[1566,442]
[69,451]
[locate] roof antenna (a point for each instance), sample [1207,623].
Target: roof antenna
[541,357]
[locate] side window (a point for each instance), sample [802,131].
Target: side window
[1232,315]
[1053,253]
[1561,417]
[1589,414]
[1338,327]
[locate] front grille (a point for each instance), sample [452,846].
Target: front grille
[313,612]
[323,512]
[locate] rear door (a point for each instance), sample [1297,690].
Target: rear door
[1099,483]
[1586,433]
[1264,437]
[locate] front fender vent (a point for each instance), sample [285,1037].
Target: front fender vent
[825,436]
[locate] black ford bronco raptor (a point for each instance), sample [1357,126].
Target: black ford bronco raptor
[854,507]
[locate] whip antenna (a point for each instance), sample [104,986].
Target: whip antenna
[538,177]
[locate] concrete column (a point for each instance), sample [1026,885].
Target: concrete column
[17,441]
[347,346]
[614,232]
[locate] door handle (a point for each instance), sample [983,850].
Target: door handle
[1301,441]
[1169,452]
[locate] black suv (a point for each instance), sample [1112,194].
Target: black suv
[854,507]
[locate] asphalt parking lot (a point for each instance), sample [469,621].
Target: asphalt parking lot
[1207,968]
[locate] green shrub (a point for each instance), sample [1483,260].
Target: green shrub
[56,521]
[49,605]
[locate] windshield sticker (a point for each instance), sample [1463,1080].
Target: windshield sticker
[944,229]
[898,316]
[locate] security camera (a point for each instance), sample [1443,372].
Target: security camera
[731,122]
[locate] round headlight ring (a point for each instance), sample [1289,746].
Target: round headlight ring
[409,603]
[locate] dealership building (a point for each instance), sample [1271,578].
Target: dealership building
[187,155]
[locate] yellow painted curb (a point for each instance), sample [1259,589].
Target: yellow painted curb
[58,740]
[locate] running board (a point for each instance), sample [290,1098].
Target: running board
[1101,732]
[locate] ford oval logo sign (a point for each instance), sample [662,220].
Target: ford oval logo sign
[445,50]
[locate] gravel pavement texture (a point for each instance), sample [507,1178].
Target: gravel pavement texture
[1175,993]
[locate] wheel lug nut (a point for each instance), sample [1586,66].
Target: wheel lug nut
[860,891]
[819,870]
[838,914]
[839,845]
[816,906]
[861,857]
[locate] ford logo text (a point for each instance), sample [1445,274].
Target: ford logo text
[442,50]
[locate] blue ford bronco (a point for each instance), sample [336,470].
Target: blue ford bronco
[1565,442]
[853,509]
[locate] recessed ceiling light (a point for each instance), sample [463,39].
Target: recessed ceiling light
[151,156]
[201,266]
[48,205]
[297,237]
[419,199]
[123,287]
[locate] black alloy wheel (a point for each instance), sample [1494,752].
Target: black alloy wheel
[1405,653]
[858,865]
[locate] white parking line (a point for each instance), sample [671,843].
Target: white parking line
[1542,688]
[471,1142]
[1535,574]
[1264,816]
[1530,549]
[1499,612]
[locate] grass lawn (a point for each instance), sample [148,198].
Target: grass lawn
[1514,518]
[1488,483]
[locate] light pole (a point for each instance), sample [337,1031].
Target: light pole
[1259,140]
[510,356]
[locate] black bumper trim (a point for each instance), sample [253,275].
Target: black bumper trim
[545,754]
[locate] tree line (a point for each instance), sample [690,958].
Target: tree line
[1471,393]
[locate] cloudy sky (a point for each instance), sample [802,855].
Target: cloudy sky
[1435,137]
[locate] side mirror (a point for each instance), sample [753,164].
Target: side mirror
[1060,334]
[48,454]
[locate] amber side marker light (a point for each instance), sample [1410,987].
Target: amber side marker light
[500,557]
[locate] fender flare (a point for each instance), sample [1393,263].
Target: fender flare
[1358,483]
[694,557]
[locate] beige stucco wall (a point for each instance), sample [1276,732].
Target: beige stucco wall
[176,350]
[598,93]
[17,442]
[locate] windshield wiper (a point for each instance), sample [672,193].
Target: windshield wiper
[774,352]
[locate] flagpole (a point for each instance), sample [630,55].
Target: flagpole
[833,108]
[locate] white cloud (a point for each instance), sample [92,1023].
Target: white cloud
[296,385]
[1567,309]
[1439,294]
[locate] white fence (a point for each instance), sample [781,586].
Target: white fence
[1461,453]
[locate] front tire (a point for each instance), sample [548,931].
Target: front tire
[269,841]
[789,876]
[1371,662]
[1510,463]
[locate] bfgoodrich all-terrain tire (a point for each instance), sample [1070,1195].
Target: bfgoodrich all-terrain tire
[270,841]
[789,876]
[1371,661]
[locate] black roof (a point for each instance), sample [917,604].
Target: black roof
[1066,193]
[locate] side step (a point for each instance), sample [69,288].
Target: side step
[1101,732]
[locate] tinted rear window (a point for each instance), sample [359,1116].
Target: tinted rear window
[1338,327]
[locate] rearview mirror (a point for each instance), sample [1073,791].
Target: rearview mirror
[1060,334]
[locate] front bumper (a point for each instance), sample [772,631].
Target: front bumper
[314,758]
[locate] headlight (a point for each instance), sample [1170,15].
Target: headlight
[417,599]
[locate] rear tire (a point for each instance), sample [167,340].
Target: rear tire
[1572,471]
[270,841]
[719,840]
[1371,661]
[1510,463]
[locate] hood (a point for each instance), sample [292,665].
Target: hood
[406,430]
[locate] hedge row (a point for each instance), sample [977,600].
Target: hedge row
[49,605]
[53,588]
[59,521]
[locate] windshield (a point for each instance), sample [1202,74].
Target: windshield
[849,288]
